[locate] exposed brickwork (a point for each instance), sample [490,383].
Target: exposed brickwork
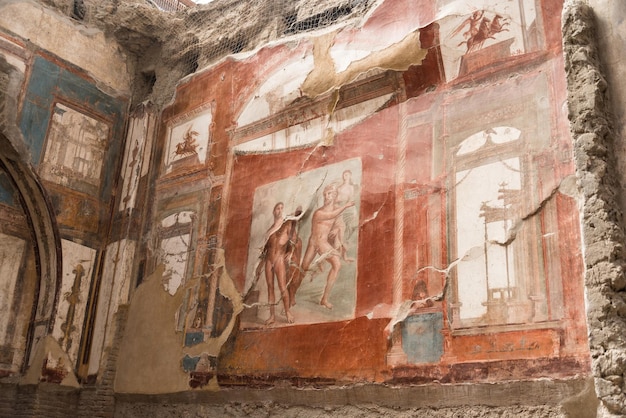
[55,401]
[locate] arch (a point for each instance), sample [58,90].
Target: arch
[46,238]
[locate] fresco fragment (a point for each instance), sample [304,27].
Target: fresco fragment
[304,232]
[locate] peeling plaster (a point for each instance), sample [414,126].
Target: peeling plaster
[151,317]
[50,364]
[324,77]
[517,225]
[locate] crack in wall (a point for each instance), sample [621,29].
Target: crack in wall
[517,225]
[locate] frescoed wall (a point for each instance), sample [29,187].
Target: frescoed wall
[72,133]
[376,204]
[378,215]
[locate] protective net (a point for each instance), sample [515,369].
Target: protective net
[205,33]
[174,38]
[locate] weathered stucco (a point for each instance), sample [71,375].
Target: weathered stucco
[151,316]
[61,36]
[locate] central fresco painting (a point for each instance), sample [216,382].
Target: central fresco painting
[388,201]
[303,247]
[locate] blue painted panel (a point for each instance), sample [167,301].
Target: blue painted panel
[49,81]
[190,363]
[34,125]
[7,191]
[44,77]
[422,340]
[193,338]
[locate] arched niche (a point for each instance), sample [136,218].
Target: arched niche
[45,239]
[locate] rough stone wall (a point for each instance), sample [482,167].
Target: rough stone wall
[594,137]
[610,18]
[63,37]
[276,410]
[44,400]
[523,399]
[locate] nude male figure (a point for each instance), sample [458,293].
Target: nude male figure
[321,225]
[277,256]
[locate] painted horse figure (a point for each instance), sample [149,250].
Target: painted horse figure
[481,28]
[188,145]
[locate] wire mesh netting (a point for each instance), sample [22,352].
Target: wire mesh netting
[171,39]
[208,32]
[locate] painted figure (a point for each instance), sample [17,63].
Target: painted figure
[322,224]
[188,146]
[480,29]
[344,224]
[282,245]
[473,23]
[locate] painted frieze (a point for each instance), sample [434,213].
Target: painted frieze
[478,35]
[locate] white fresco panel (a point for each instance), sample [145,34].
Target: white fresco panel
[75,148]
[485,265]
[189,140]
[136,156]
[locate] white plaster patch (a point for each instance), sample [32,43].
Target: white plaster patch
[175,252]
[281,88]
